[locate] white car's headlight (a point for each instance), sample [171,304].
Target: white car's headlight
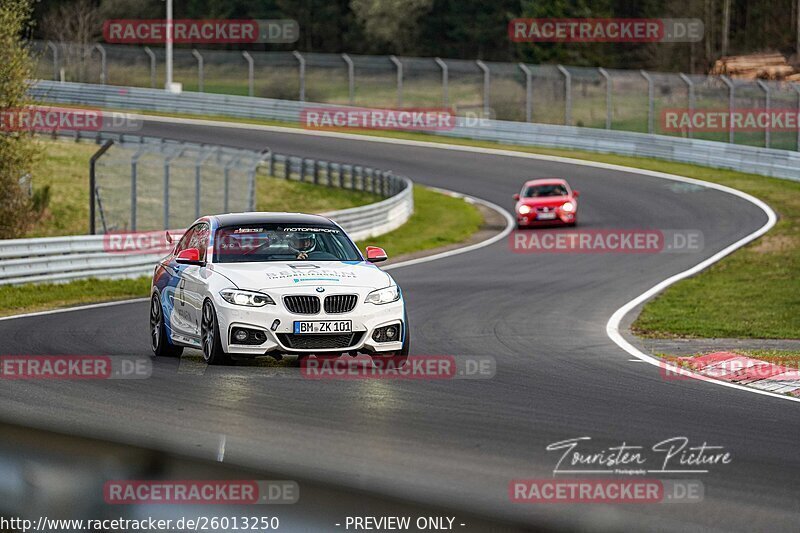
[384,296]
[524,209]
[568,207]
[246,298]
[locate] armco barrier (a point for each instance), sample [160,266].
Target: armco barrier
[768,162]
[61,259]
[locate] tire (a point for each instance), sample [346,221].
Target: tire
[159,342]
[213,354]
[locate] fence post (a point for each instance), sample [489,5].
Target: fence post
[152,57]
[567,95]
[250,72]
[54,48]
[103,63]
[198,164]
[767,102]
[200,69]
[650,100]
[690,88]
[487,80]
[796,88]
[93,182]
[351,78]
[302,64]
[528,91]
[227,175]
[609,89]
[135,184]
[731,105]
[399,66]
[445,76]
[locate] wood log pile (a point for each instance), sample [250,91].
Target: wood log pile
[767,66]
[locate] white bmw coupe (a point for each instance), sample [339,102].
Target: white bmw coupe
[250,284]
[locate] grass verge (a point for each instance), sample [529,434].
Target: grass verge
[754,293]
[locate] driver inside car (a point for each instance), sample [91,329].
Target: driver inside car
[303,244]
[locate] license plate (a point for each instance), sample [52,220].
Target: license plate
[323,326]
[545,216]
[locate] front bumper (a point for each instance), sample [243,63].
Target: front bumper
[530,220]
[277,323]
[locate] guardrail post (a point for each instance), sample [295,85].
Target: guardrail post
[358,171]
[251,179]
[200,69]
[528,91]
[650,101]
[767,102]
[399,65]
[690,88]
[487,81]
[445,79]
[328,178]
[609,87]
[287,168]
[152,57]
[351,78]
[93,183]
[731,105]
[103,63]
[316,171]
[250,72]
[567,95]
[302,64]
[54,48]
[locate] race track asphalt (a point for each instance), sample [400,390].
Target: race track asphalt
[457,443]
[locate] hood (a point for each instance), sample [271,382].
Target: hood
[265,276]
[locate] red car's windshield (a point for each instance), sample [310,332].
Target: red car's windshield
[538,191]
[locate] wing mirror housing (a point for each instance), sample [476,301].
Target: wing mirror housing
[516,197]
[376,254]
[576,193]
[189,256]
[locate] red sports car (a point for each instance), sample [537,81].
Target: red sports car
[546,202]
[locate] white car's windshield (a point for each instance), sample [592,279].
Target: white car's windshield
[280,242]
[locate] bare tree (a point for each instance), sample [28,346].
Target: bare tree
[74,22]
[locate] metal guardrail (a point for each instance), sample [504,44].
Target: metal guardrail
[614,99]
[61,259]
[768,162]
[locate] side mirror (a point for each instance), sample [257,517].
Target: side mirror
[516,197]
[576,193]
[189,256]
[376,255]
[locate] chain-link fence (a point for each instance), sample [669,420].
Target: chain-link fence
[548,94]
[146,183]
